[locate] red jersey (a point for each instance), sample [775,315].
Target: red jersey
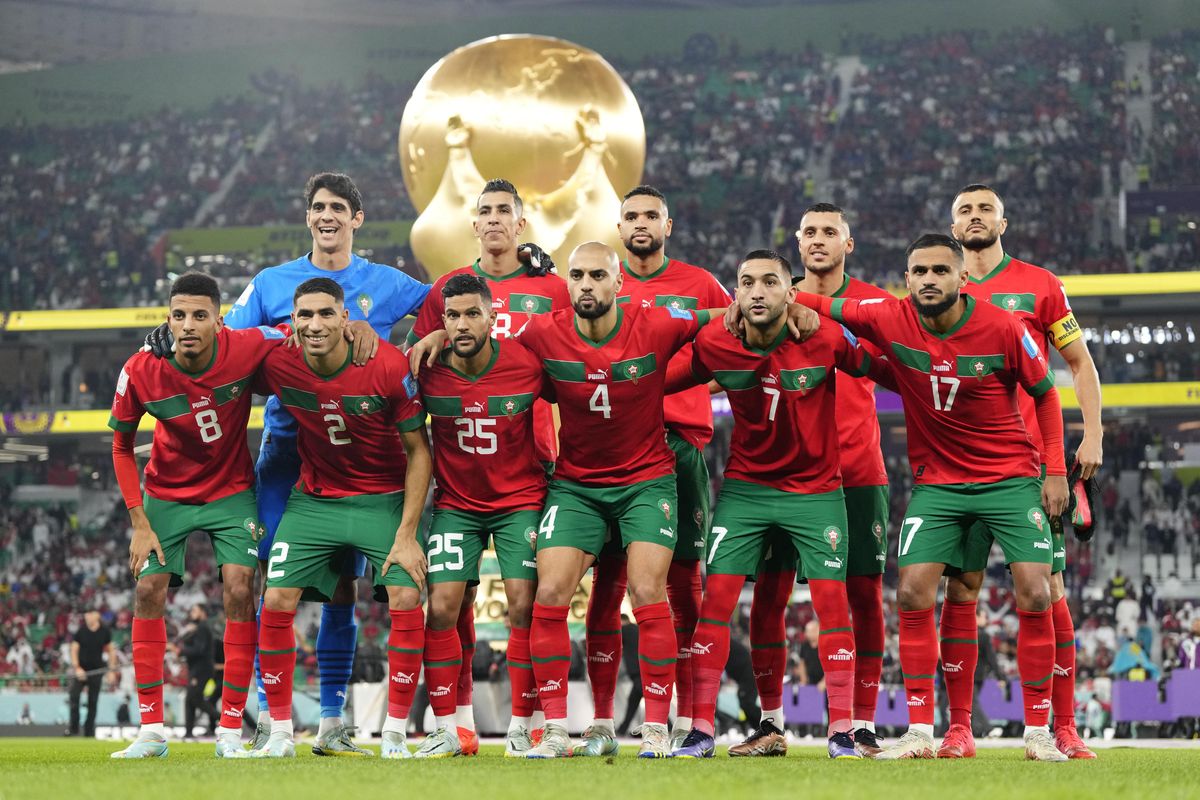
[782,398]
[680,285]
[1038,299]
[959,388]
[516,299]
[482,431]
[857,422]
[350,421]
[199,452]
[610,393]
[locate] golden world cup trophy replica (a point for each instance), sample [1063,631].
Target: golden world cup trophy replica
[552,117]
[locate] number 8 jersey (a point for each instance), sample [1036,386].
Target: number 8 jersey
[350,421]
[199,452]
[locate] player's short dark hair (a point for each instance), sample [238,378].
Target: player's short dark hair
[467,284]
[320,286]
[928,240]
[824,208]
[769,255]
[199,284]
[978,187]
[647,190]
[337,183]
[504,185]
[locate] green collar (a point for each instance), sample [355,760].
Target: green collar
[606,339]
[651,276]
[779,338]
[338,371]
[212,360]
[517,273]
[445,359]
[844,287]
[958,325]
[996,271]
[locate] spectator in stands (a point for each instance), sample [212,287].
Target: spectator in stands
[811,671]
[197,651]
[1147,602]
[92,655]
[1118,588]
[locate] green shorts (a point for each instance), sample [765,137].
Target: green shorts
[315,533]
[749,516]
[692,490]
[978,549]
[231,523]
[457,539]
[866,524]
[939,517]
[581,516]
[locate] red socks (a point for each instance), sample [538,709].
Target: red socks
[684,592]
[865,593]
[768,635]
[277,660]
[1062,689]
[1035,663]
[656,654]
[960,654]
[918,662]
[149,650]
[443,662]
[406,641]
[836,648]
[239,671]
[466,635]
[550,651]
[710,646]
[604,631]
[520,673]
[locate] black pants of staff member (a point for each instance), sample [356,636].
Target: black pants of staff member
[92,682]
[195,701]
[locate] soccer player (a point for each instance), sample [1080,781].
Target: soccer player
[199,477]
[651,279]
[380,296]
[958,364]
[1038,299]
[782,476]
[364,471]
[523,284]
[489,484]
[824,242]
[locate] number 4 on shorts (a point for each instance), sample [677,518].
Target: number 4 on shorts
[907,533]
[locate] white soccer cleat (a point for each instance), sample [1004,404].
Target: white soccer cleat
[395,745]
[518,742]
[229,745]
[656,741]
[913,744]
[279,745]
[556,743]
[442,743]
[146,745]
[1040,747]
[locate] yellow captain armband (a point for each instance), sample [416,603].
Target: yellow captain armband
[1065,331]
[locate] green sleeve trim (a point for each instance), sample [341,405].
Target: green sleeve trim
[121,425]
[863,367]
[703,316]
[835,309]
[413,423]
[1042,386]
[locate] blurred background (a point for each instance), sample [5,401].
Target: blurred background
[146,137]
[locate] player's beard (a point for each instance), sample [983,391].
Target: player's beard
[824,269]
[595,312]
[979,243]
[643,250]
[472,352]
[935,309]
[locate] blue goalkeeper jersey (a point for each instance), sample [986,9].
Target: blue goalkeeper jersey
[377,293]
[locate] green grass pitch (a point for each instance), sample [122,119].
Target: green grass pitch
[78,770]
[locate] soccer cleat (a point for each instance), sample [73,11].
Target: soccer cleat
[1067,740]
[866,742]
[146,745]
[677,737]
[518,742]
[469,741]
[697,744]
[229,745]
[279,745]
[555,743]
[912,744]
[959,743]
[841,746]
[442,743]
[656,741]
[339,742]
[765,740]
[1040,747]
[596,742]
[262,732]
[394,746]
[535,735]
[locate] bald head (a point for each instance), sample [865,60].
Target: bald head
[594,254]
[593,279]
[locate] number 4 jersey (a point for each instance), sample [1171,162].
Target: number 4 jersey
[199,452]
[350,421]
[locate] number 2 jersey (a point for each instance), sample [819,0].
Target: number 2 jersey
[483,456]
[783,398]
[350,421]
[199,452]
[959,388]
[610,392]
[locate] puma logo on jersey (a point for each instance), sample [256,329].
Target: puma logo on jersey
[841,655]
[146,708]
[1062,672]
[647,304]
[498,302]
[272,680]
[951,667]
[1044,544]
[474,408]
[229,712]
[658,689]
[403,677]
[1045,704]
[441,691]
[203,402]
[703,649]
[770,380]
[598,375]
[834,564]
[329,406]
[917,701]
[601,657]
[945,366]
[552,686]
